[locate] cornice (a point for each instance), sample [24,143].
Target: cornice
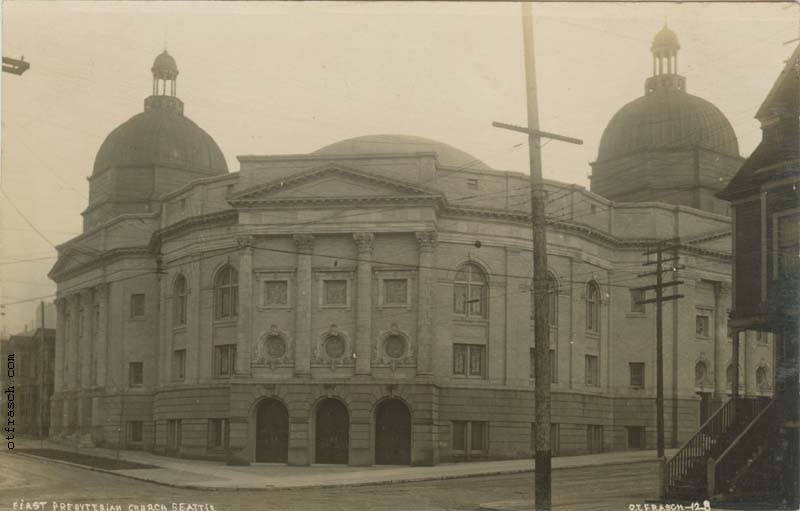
[321,202]
[102,259]
[228,216]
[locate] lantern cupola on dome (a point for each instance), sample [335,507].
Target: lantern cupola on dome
[152,153]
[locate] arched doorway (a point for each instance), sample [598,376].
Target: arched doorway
[272,432]
[392,433]
[332,432]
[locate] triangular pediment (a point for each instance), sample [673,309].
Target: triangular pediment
[331,182]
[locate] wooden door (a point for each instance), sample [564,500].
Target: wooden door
[272,432]
[332,433]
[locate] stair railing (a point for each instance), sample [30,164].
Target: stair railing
[722,471]
[693,453]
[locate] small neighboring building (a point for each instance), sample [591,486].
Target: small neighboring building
[749,449]
[30,388]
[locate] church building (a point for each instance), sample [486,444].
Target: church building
[370,302]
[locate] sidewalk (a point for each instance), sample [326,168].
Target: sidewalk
[213,475]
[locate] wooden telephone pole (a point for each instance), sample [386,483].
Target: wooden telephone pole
[542,490]
[665,246]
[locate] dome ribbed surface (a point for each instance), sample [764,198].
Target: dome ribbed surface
[161,137]
[666,38]
[447,155]
[667,119]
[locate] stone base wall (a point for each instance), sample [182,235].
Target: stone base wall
[504,417]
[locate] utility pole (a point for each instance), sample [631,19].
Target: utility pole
[42,379]
[15,66]
[541,335]
[664,246]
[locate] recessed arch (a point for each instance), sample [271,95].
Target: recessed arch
[593,302]
[392,432]
[226,292]
[272,431]
[331,432]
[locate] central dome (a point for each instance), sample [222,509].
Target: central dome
[667,119]
[447,155]
[161,137]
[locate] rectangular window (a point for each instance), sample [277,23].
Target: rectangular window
[136,374]
[594,438]
[135,434]
[636,438]
[174,435]
[789,245]
[224,360]
[334,292]
[218,434]
[592,371]
[702,325]
[460,359]
[637,375]
[178,365]
[637,295]
[276,293]
[137,305]
[470,438]
[469,359]
[395,291]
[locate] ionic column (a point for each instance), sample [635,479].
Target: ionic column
[245,319]
[101,335]
[85,350]
[425,313]
[61,336]
[363,301]
[75,341]
[302,329]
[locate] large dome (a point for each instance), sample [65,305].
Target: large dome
[447,155]
[667,118]
[160,136]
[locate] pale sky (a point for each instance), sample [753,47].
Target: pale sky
[277,78]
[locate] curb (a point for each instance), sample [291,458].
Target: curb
[267,487]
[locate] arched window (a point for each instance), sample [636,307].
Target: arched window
[469,291]
[226,293]
[179,295]
[700,372]
[593,307]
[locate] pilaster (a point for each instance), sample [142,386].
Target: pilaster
[101,336]
[302,330]
[85,348]
[364,241]
[245,320]
[427,241]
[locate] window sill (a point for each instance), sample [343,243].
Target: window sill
[179,328]
[394,306]
[636,315]
[593,335]
[468,377]
[468,319]
[137,318]
[703,338]
[225,321]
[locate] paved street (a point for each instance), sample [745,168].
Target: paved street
[607,488]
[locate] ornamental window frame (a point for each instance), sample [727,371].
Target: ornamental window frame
[323,277]
[383,277]
[265,278]
[463,303]
[468,350]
